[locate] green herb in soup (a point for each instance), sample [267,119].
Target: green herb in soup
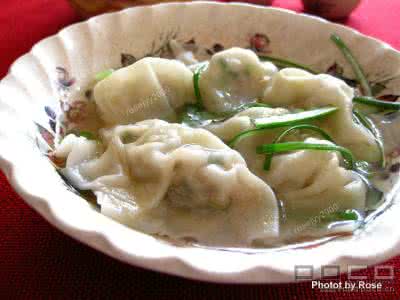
[240,150]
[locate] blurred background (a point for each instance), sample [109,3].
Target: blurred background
[332,9]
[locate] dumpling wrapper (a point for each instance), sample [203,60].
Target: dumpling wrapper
[246,146]
[150,88]
[234,77]
[181,182]
[309,182]
[296,88]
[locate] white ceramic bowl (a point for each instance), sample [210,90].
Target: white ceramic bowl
[58,67]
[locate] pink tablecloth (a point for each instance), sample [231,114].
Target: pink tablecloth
[37,261]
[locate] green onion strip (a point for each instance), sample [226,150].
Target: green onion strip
[357,69]
[196,86]
[103,75]
[283,63]
[367,123]
[294,146]
[283,121]
[268,157]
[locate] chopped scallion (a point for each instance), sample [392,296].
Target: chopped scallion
[347,215]
[357,69]
[283,121]
[86,134]
[196,86]
[104,74]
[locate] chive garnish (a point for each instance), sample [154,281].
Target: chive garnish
[196,78]
[294,118]
[283,63]
[304,126]
[347,215]
[104,74]
[86,134]
[283,121]
[357,69]
[244,134]
[377,103]
[268,157]
[294,146]
[367,123]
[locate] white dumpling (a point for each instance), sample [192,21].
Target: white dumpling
[246,146]
[299,89]
[77,149]
[233,77]
[173,180]
[84,168]
[309,182]
[150,88]
[176,80]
